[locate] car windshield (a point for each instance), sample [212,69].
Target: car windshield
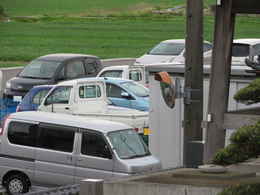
[39,69]
[167,49]
[135,88]
[128,144]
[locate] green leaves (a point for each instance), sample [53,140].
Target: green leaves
[245,144]
[244,189]
[249,94]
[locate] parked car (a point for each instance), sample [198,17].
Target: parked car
[50,69]
[127,93]
[167,51]
[33,98]
[241,49]
[60,149]
[245,48]
[88,97]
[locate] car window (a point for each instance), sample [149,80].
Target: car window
[56,138]
[91,67]
[135,88]
[114,91]
[207,47]
[93,144]
[59,95]
[40,69]
[135,75]
[256,49]
[22,133]
[75,69]
[89,91]
[112,73]
[240,50]
[167,49]
[38,97]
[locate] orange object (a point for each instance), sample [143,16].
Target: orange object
[163,77]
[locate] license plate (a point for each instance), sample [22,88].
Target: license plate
[17,98]
[146,131]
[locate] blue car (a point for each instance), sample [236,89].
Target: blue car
[127,93]
[33,98]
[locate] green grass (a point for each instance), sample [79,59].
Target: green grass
[84,7]
[129,35]
[107,37]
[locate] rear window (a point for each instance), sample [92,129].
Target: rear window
[135,75]
[240,50]
[22,133]
[89,91]
[167,49]
[112,73]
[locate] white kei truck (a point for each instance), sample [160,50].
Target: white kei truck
[132,72]
[87,97]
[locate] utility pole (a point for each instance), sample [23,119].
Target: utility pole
[220,76]
[193,89]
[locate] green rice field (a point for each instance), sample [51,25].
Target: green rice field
[25,38]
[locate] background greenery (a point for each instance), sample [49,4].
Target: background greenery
[107,29]
[83,7]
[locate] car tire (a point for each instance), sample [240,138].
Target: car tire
[16,184]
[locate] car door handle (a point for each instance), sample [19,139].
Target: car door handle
[67,108]
[80,159]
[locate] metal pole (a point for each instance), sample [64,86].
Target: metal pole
[193,89]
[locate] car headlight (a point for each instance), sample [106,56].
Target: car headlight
[8,84]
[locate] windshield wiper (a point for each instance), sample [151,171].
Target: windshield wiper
[27,77]
[30,77]
[137,156]
[124,141]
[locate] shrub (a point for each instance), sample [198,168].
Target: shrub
[245,144]
[242,189]
[249,94]
[229,155]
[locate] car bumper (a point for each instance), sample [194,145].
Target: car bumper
[10,93]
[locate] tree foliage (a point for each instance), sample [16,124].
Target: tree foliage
[249,94]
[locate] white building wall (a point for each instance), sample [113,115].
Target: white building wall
[166,139]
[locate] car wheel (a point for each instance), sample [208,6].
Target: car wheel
[16,184]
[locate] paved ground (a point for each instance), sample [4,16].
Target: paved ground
[33,188]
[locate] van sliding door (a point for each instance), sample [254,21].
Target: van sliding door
[55,163]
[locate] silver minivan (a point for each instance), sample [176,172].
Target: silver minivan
[50,149]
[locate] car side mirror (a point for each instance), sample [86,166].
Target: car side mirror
[125,95]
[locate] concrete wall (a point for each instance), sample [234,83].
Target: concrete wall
[134,188]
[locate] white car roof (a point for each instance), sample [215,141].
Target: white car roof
[247,41]
[174,41]
[179,41]
[120,67]
[75,81]
[103,126]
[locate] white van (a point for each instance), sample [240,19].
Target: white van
[50,149]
